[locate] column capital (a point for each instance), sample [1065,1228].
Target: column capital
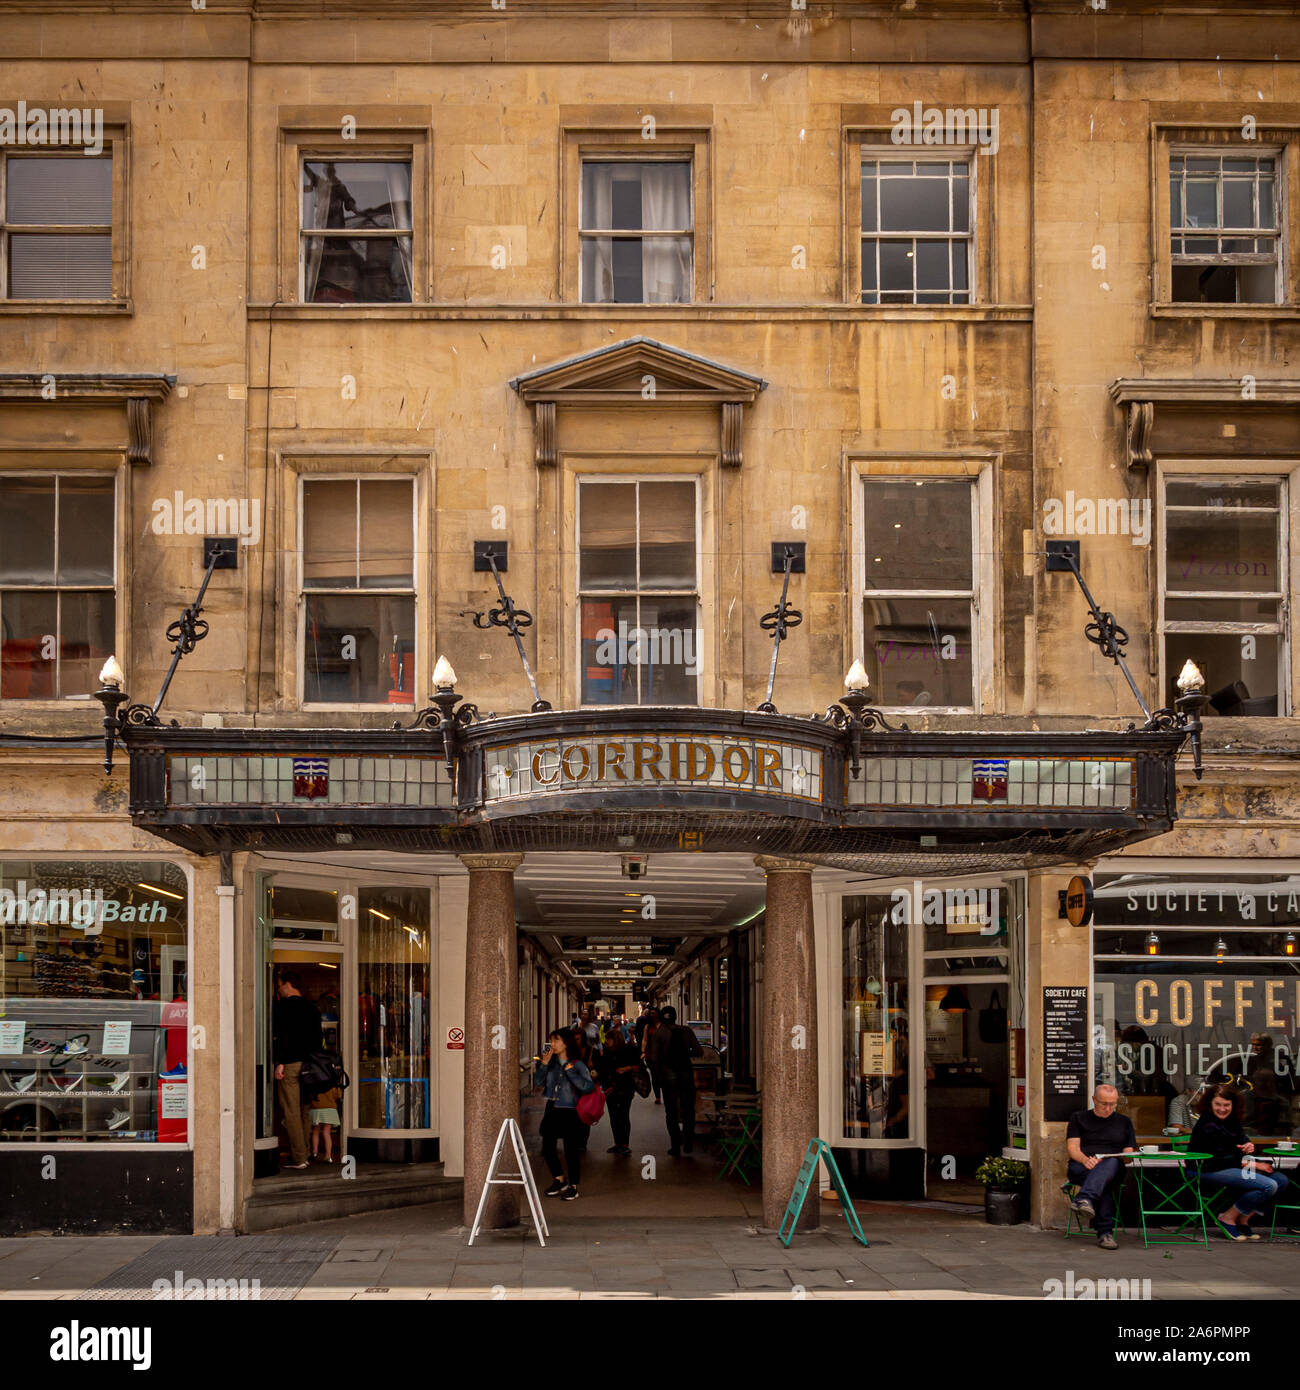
[491,861]
[773,864]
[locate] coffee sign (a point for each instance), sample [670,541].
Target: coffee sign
[1078,901]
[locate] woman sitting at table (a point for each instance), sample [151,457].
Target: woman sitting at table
[1231,1164]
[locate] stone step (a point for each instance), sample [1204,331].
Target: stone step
[290,1199]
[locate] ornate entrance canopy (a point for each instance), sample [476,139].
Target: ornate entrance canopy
[829,789]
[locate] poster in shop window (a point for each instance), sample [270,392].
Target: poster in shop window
[1065,1052]
[11,1036]
[117,1040]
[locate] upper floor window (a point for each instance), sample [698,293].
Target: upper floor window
[57,575]
[358,600]
[1225,235]
[1223,594]
[639,591]
[636,231]
[356,235]
[920,600]
[57,225]
[916,231]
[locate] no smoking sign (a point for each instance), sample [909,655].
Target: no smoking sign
[455,1040]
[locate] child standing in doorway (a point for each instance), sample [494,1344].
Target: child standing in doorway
[324,1116]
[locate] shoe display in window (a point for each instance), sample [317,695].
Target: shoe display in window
[118,1118]
[20,1083]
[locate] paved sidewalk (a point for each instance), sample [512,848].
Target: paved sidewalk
[420,1253]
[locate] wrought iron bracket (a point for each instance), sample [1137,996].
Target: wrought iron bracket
[778,622]
[855,717]
[494,556]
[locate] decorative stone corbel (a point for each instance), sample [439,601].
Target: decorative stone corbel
[544,433]
[1141,421]
[139,424]
[732,412]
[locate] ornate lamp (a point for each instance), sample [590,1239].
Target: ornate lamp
[854,714]
[1191,701]
[111,695]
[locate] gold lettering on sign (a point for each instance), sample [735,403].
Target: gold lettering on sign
[702,763]
[581,774]
[728,760]
[646,755]
[538,765]
[609,758]
[1212,1000]
[1273,1002]
[769,767]
[1239,988]
[1180,1004]
[1144,1015]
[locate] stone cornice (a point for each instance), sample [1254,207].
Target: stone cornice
[85,386]
[1206,390]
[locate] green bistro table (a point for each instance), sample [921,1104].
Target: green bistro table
[1289,1201]
[1183,1200]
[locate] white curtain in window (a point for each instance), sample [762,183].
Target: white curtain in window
[315,213]
[399,198]
[599,212]
[665,203]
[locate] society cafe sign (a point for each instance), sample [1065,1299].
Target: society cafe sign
[730,763]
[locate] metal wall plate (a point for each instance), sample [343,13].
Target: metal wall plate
[500,552]
[778,556]
[1056,553]
[227,548]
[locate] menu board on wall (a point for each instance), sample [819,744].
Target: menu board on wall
[1065,1052]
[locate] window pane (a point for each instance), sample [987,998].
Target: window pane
[609,674]
[28,638]
[961,204]
[367,270]
[667,516]
[932,265]
[85,640]
[607,535]
[918,651]
[1239,203]
[329,534]
[1232,551]
[387,544]
[914,204]
[26,530]
[625,196]
[304,914]
[1224,492]
[876,1009]
[918,533]
[51,192]
[959,279]
[1240,679]
[896,259]
[356,194]
[868,199]
[60,267]
[1221,610]
[347,643]
[1202,202]
[669,651]
[394,1020]
[86,530]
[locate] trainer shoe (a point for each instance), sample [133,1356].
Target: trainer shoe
[1229,1231]
[1083,1205]
[177,1071]
[118,1119]
[120,1083]
[66,1084]
[1244,1231]
[570,1194]
[21,1083]
[75,1046]
[555,1189]
[1108,1242]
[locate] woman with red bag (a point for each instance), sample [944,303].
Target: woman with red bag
[565,1078]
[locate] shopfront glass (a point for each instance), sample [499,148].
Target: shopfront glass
[94,1001]
[877,999]
[1196,982]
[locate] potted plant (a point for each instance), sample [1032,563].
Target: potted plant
[1004,1182]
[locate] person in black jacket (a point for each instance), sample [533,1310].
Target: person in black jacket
[619,1066]
[1220,1134]
[295,1035]
[669,1052]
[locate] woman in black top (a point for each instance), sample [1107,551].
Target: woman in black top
[1219,1133]
[619,1065]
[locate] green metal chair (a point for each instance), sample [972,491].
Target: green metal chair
[1071,1190]
[739,1147]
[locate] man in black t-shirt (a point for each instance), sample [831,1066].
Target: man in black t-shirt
[295,1035]
[1092,1138]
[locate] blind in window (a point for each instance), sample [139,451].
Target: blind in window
[76,190]
[60,267]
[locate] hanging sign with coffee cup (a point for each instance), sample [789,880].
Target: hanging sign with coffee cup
[1077,901]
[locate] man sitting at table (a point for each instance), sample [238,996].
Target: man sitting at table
[1089,1135]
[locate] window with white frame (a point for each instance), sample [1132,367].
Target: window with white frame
[56,216]
[358,591]
[920,590]
[1222,601]
[58,602]
[636,231]
[356,235]
[638,591]
[916,230]
[1225,235]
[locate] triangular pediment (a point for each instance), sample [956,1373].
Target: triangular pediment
[619,372]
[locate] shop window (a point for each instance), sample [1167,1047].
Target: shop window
[95,987]
[876,1091]
[57,226]
[1224,230]
[57,571]
[358,600]
[919,626]
[638,592]
[636,231]
[1224,581]
[1196,984]
[357,237]
[916,230]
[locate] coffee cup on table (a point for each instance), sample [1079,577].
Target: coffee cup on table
[1150,1149]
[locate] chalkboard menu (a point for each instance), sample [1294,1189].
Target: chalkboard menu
[1065,1052]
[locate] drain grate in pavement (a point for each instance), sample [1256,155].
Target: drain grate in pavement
[226,1266]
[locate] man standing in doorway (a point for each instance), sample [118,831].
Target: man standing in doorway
[669,1052]
[295,1035]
